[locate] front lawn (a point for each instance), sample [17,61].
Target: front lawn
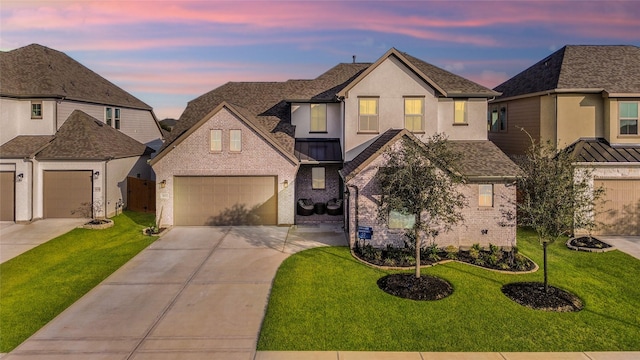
[39,284]
[323,299]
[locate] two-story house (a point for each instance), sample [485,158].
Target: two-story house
[69,138]
[584,98]
[248,153]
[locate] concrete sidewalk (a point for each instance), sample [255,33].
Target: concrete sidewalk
[16,239]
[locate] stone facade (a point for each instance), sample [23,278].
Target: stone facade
[483,225]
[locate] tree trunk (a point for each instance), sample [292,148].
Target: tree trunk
[544,251]
[418,246]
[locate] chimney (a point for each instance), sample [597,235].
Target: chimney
[354,59]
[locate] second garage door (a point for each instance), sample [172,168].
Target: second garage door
[620,212]
[225,200]
[7,195]
[68,194]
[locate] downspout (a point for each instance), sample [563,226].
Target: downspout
[33,188]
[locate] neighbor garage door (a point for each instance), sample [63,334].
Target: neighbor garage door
[7,195]
[225,200]
[67,194]
[620,212]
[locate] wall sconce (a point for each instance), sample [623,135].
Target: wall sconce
[163,183]
[285,184]
[19,177]
[96,174]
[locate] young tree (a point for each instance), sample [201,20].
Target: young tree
[419,180]
[556,196]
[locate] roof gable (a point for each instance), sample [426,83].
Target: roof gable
[586,68]
[37,71]
[444,82]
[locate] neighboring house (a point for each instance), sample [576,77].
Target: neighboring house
[585,98]
[42,89]
[249,152]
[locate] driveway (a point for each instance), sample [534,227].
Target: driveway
[626,244]
[196,293]
[16,239]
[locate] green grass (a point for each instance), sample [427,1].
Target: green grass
[323,299]
[39,284]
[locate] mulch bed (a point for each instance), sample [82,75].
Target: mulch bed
[407,286]
[532,295]
[589,243]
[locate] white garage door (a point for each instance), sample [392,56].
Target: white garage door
[620,212]
[225,200]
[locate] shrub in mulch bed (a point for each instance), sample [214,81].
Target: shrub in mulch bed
[532,295]
[408,286]
[588,243]
[493,258]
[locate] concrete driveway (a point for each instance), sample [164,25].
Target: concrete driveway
[16,239]
[196,293]
[626,244]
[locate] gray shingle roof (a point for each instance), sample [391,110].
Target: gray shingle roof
[83,137]
[24,146]
[600,151]
[612,68]
[37,71]
[353,167]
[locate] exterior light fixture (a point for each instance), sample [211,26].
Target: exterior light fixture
[163,183]
[19,177]
[285,183]
[96,174]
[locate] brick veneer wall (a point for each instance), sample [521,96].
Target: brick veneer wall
[500,228]
[192,157]
[332,183]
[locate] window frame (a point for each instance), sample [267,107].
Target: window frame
[621,118]
[501,120]
[415,115]
[218,148]
[483,195]
[318,178]
[400,220]
[465,104]
[375,116]
[116,118]
[235,145]
[108,116]
[37,103]
[314,119]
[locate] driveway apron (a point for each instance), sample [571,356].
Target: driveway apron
[196,293]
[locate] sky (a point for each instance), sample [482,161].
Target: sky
[168,52]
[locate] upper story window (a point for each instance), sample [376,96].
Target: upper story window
[112,117]
[460,112]
[628,118]
[497,119]
[36,109]
[215,138]
[235,140]
[116,118]
[485,195]
[318,118]
[368,115]
[414,114]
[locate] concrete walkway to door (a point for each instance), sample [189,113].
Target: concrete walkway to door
[196,293]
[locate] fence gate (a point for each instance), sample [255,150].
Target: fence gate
[141,195]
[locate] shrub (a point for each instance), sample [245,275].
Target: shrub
[452,252]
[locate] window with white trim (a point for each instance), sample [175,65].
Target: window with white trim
[317,178]
[36,109]
[628,114]
[485,195]
[216,140]
[108,116]
[368,114]
[318,118]
[414,114]
[235,140]
[116,118]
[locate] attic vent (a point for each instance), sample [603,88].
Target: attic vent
[99,123]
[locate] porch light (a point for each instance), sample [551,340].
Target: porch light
[285,183]
[163,183]
[96,174]
[19,177]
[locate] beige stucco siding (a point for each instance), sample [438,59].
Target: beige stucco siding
[581,116]
[117,171]
[16,119]
[474,129]
[612,128]
[192,157]
[301,119]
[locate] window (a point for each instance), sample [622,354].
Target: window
[485,195]
[318,118]
[460,112]
[108,116]
[235,140]
[36,109]
[497,119]
[401,220]
[117,118]
[368,114]
[317,178]
[414,114]
[628,118]
[216,140]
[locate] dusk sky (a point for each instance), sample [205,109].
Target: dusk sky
[167,52]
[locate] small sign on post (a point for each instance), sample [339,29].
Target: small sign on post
[365,232]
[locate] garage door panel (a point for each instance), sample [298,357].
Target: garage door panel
[228,200]
[619,213]
[7,195]
[67,194]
